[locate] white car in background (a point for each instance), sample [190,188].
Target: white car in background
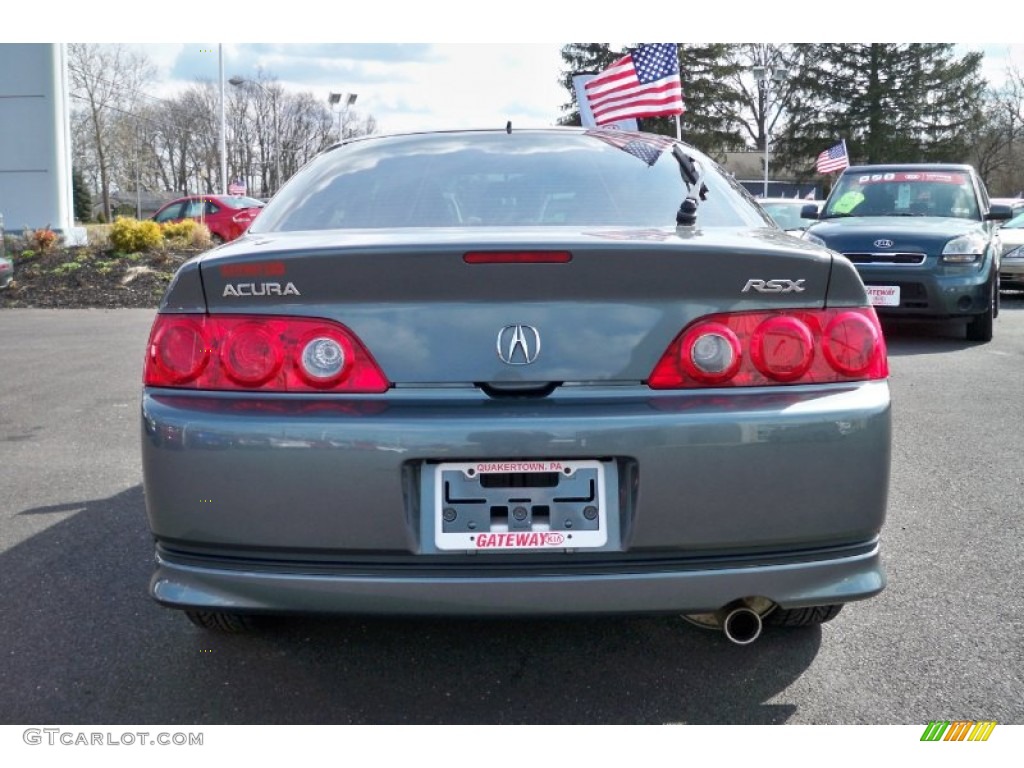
[785,211]
[1011,266]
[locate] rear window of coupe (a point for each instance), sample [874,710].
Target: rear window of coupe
[496,180]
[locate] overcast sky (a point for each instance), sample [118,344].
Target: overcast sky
[473,70]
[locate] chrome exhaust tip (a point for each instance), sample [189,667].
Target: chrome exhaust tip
[740,620]
[741,625]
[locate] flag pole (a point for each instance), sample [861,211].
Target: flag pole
[679,130]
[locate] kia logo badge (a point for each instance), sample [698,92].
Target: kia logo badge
[518,344]
[883,243]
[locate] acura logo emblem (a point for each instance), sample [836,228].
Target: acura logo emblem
[518,344]
[883,243]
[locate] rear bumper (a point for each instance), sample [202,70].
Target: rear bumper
[325,505]
[833,579]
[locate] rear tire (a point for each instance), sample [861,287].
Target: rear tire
[219,621]
[980,328]
[803,617]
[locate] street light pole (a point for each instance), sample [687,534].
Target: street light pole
[237,81]
[223,124]
[343,101]
[765,75]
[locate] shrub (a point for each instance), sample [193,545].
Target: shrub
[179,232]
[41,239]
[66,268]
[98,236]
[201,236]
[187,233]
[128,234]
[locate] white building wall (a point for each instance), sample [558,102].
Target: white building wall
[35,138]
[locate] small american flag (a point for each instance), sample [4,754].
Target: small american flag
[643,83]
[236,187]
[645,146]
[833,159]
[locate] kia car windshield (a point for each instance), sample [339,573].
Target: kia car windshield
[904,193]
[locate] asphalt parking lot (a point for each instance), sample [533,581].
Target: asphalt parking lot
[81,642]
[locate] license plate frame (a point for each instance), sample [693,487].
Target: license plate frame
[564,521]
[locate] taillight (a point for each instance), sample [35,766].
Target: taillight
[753,349]
[782,348]
[256,353]
[710,354]
[178,350]
[851,342]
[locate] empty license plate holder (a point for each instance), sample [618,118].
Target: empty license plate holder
[520,505]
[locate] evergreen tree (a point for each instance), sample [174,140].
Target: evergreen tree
[81,197]
[890,102]
[582,58]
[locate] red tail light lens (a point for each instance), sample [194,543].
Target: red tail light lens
[178,351]
[850,343]
[771,348]
[782,348]
[268,354]
[249,355]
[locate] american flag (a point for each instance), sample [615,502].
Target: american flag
[643,83]
[236,187]
[645,146]
[833,159]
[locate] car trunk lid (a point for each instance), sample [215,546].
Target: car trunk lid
[606,313]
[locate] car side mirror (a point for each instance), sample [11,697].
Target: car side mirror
[998,212]
[809,212]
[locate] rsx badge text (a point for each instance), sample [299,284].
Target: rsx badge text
[774,286]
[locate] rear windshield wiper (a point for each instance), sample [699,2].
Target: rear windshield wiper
[696,189]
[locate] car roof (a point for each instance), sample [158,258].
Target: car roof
[552,129]
[961,167]
[211,196]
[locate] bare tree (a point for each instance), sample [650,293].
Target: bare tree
[997,141]
[270,127]
[107,81]
[128,140]
[761,104]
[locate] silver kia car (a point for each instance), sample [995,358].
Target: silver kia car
[549,372]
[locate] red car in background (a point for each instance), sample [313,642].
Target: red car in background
[226,216]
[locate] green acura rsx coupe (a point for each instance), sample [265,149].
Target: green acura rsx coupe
[519,372]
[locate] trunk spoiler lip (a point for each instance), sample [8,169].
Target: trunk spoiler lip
[324,242]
